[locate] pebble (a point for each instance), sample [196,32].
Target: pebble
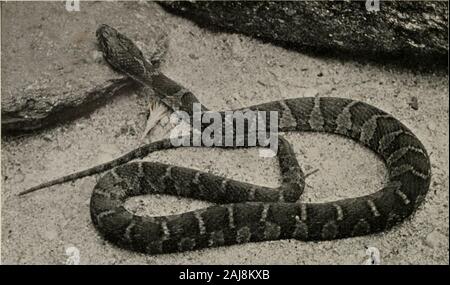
[141,46]
[414,103]
[431,126]
[290,12]
[139,16]
[128,128]
[97,56]
[19,177]
[261,83]
[81,126]
[47,138]
[435,239]
[193,56]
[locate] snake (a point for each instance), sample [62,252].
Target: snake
[244,212]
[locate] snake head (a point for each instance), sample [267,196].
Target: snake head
[121,53]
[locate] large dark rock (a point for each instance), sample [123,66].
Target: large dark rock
[411,30]
[51,69]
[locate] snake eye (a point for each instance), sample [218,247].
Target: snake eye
[104,31]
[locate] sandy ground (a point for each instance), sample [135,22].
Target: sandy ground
[228,71]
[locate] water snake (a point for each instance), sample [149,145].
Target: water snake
[245,212]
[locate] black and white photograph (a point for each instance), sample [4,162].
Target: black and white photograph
[224,133]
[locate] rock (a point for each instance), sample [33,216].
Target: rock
[408,30]
[40,108]
[435,239]
[39,90]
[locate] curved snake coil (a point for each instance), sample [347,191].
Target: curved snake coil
[246,212]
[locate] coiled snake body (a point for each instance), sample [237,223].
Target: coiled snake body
[246,212]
